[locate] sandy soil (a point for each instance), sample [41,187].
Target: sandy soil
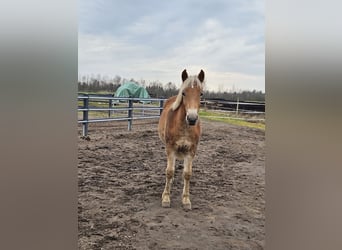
[121,179]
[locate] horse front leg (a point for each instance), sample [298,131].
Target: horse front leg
[170,170]
[187,172]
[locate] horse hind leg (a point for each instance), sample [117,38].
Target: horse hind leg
[187,172]
[170,170]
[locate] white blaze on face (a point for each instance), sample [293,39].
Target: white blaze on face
[191,114]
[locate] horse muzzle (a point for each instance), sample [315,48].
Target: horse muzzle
[192,119]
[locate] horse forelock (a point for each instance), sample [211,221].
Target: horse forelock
[191,81]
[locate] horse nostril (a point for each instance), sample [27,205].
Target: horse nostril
[191,119]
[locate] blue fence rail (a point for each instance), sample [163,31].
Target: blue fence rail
[111,101]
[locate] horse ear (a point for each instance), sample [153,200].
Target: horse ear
[201,76]
[184,75]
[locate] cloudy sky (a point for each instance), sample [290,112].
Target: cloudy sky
[155,40]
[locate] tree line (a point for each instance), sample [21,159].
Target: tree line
[159,90]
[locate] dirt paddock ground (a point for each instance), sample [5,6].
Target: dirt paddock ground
[121,179]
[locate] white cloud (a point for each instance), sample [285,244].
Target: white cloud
[143,26]
[159,45]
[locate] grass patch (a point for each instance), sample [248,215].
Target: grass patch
[215,116]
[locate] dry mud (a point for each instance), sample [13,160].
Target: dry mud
[121,179]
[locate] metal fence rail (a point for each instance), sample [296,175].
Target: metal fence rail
[127,111]
[235,106]
[107,104]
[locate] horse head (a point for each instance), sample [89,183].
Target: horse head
[191,92]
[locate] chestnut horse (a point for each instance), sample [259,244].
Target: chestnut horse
[179,129]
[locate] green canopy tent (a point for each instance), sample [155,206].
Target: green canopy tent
[131,89]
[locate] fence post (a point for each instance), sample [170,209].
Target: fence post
[130,114]
[143,110]
[161,105]
[237,106]
[85,116]
[109,106]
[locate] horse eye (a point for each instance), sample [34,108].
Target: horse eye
[183,93]
[201,94]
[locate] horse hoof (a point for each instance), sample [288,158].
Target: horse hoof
[166,204]
[187,206]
